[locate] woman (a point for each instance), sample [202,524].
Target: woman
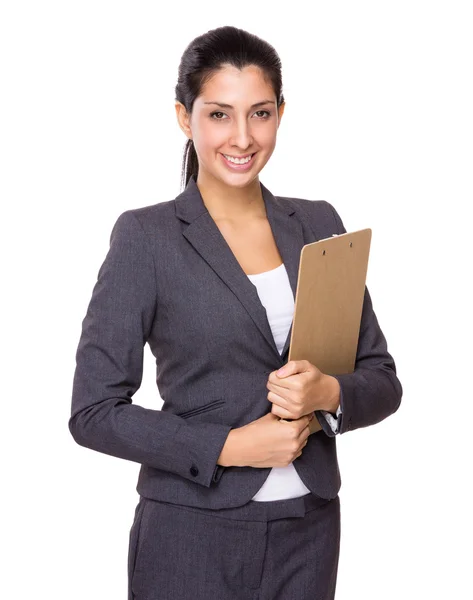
[236,500]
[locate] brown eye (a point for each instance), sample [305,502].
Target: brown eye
[264,111]
[218,112]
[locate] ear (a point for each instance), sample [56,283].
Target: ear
[183,119]
[281,112]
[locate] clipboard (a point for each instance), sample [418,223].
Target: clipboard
[329,302]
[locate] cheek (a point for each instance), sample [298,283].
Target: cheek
[209,139]
[267,139]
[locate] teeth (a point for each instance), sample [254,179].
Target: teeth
[238,161]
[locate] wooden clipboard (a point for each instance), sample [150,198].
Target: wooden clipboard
[329,302]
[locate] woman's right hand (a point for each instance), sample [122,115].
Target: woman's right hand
[270,441]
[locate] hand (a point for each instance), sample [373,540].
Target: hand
[267,442]
[299,389]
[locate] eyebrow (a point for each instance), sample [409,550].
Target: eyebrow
[222,105]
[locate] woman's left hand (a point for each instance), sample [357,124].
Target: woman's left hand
[299,389]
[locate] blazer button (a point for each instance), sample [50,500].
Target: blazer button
[194,471]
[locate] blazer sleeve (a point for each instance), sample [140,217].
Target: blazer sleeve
[109,370]
[332,418]
[373,391]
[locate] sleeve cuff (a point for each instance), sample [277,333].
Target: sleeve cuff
[332,419]
[205,442]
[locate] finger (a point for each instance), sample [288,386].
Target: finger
[307,418]
[293,366]
[282,412]
[281,382]
[305,430]
[285,370]
[279,385]
[275,398]
[286,405]
[303,445]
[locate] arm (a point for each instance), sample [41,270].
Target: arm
[373,391]
[109,370]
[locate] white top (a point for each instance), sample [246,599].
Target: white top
[283,482]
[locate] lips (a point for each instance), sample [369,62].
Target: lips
[239,167]
[243,156]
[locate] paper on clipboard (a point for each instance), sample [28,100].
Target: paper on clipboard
[329,302]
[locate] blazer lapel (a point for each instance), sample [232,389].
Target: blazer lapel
[204,235]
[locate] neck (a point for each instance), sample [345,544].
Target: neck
[230,203]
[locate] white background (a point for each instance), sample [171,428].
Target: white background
[378,122]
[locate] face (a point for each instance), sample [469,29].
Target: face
[247,125]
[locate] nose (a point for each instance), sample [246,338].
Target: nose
[241,134]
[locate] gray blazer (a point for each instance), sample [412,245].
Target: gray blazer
[170,279]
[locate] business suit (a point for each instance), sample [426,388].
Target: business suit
[170,279]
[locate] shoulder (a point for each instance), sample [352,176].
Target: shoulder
[144,219]
[153,214]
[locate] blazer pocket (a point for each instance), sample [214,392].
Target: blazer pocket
[200,409]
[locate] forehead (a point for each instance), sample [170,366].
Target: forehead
[235,86]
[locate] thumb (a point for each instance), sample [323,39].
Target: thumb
[309,418]
[287,369]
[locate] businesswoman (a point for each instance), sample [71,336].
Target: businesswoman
[238,484]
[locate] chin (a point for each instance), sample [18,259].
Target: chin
[240,181]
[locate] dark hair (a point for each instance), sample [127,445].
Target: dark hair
[205,55]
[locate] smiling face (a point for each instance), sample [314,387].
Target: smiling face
[235,115]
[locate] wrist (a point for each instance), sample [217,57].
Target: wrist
[227,455]
[332,394]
